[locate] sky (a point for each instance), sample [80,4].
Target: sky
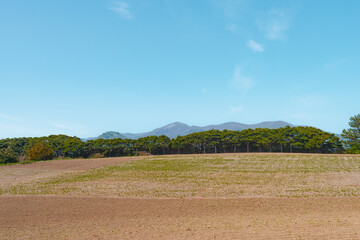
[84,67]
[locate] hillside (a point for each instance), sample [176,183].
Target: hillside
[107,135]
[175,129]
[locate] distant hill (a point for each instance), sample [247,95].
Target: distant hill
[111,135]
[107,135]
[175,129]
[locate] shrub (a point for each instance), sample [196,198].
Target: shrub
[7,156]
[40,151]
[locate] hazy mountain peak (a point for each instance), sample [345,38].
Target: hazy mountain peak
[175,129]
[111,135]
[175,125]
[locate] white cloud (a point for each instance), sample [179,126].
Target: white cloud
[235,109]
[241,82]
[256,47]
[275,23]
[122,9]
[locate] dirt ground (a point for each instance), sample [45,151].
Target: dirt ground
[52,217]
[25,173]
[73,164]
[108,217]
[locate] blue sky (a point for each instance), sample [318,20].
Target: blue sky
[85,67]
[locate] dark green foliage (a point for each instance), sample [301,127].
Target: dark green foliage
[297,139]
[18,146]
[12,149]
[352,135]
[109,147]
[288,139]
[7,156]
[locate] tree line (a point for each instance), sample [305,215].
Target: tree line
[288,139]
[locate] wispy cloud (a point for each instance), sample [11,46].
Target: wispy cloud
[256,47]
[241,82]
[235,109]
[122,9]
[275,23]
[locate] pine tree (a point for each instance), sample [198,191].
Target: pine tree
[352,135]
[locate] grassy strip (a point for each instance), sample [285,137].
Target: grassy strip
[211,176]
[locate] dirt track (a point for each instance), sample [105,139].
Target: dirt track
[49,217]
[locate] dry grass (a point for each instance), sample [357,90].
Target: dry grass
[208,176]
[222,196]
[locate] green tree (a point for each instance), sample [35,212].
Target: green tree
[214,139]
[228,140]
[177,144]
[8,156]
[248,137]
[41,150]
[352,135]
[163,141]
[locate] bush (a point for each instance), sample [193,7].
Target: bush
[7,156]
[40,151]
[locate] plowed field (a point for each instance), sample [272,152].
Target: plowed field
[222,196]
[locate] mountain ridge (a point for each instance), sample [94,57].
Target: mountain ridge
[172,130]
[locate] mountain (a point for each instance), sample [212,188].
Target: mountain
[172,130]
[106,135]
[111,135]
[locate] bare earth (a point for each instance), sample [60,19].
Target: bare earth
[51,217]
[74,164]
[65,216]
[25,173]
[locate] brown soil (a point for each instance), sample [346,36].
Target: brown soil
[11,175]
[74,164]
[50,217]
[86,164]
[64,217]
